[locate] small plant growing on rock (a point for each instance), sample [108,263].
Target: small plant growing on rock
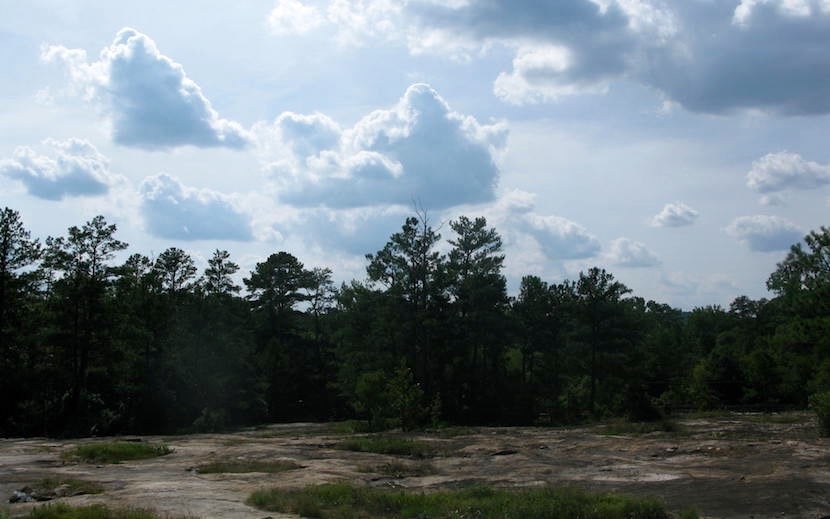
[820,404]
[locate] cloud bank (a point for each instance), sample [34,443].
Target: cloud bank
[709,57]
[172,210]
[69,168]
[147,98]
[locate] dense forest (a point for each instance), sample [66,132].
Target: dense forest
[90,346]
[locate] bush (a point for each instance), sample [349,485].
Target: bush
[820,404]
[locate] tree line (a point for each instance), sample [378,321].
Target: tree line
[153,345]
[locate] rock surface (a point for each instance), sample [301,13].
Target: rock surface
[738,466]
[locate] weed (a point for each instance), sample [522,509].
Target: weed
[63,511]
[625,427]
[62,487]
[397,469]
[345,500]
[115,452]
[245,466]
[820,404]
[387,445]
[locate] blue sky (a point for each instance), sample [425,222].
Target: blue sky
[679,144]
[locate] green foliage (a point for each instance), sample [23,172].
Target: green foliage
[64,511]
[116,452]
[624,427]
[344,500]
[431,337]
[236,466]
[398,469]
[406,399]
[820,404]
[393,445]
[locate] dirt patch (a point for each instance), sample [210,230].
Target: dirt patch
[742,466]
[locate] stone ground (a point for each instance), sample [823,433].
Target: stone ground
[741,466]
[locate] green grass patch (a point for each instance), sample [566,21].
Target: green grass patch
[337,501]
[245,466]
[116,452]
[624,427]
[349,427]
[778,418]
[387,445]
[63,511]
[398,469]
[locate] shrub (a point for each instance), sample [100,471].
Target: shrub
[820,404]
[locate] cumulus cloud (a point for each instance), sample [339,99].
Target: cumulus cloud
[147,98]
[784,170]
[676,214]
[709,57]
[542,74]
[356,231]
[69,168]
[628,253]
[419,150]
[294,17]
[764,233]
[559,237]
[172,210]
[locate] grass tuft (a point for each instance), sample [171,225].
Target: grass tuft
[624,427]
[115,452]
[344,500]
[397,469]
[64,511]
[63,487]
[245,466]
[387,445]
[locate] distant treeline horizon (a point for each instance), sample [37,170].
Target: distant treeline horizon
[92,347]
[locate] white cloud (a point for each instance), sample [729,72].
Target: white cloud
[784,170]
[69,168]
[542,74]
[359,19]
[294,17]
[417,151]
[762,233]
[147,97]
[559,237]
[772,200]
[172,210]
[676,214]
[628,253]
[356,231]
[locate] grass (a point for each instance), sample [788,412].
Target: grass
[336,501]
[387,445]
[349,427]
[115,452]
[624,427]
[245,466]
[71,486]
[397,469]
[778,418]
[63,511]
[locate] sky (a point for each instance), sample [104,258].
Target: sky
[679,144]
